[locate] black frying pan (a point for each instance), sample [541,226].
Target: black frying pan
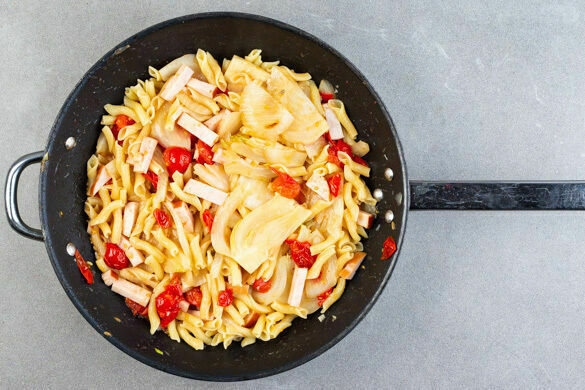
[63,183]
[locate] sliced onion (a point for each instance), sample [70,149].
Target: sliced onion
[327,279]
[326,87]
[326,90]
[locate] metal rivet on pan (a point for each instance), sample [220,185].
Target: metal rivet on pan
[389,173]
[378,194]
[71,249]
[70,143]
[389,216]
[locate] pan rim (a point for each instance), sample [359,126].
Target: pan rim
[160,365]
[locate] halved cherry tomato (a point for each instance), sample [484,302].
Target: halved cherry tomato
[137,308]
[120,122]
[194,296]
[340,146]
[285,185]
[225,297]
[301,253]
[208,219]
[321,298]
[388,249]
[115,257]
[123,121]
[152,178]
[204,153]
[177,159]
[262,285]
[325,97]
[162,218]
[83,267]
[334,183]
[167,303]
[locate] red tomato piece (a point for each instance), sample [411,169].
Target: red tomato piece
[340,146]
[83,267]
[204,153]
[177,159]
[301,253]
[152,178]
[115,257]
[332,155]
[334,183]
[321,298]
[359,160]
[137,308]
[262,285]
[388,249]
[162,218]
[120,122]
[167,303]
[123,121]
[194,296]
[225,297]
[285,185]
[325,97]
[208,219]
[115,130]
[343,147]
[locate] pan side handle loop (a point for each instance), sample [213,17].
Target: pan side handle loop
[484,195]
[10,196]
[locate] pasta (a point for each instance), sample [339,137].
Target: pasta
[221,204]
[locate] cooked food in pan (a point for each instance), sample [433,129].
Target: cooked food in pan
[226,200]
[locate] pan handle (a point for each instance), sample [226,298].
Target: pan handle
[490,195]
[10,196]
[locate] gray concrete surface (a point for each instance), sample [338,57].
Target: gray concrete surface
[478,90]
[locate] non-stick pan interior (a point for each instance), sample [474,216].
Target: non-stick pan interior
[63,178]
